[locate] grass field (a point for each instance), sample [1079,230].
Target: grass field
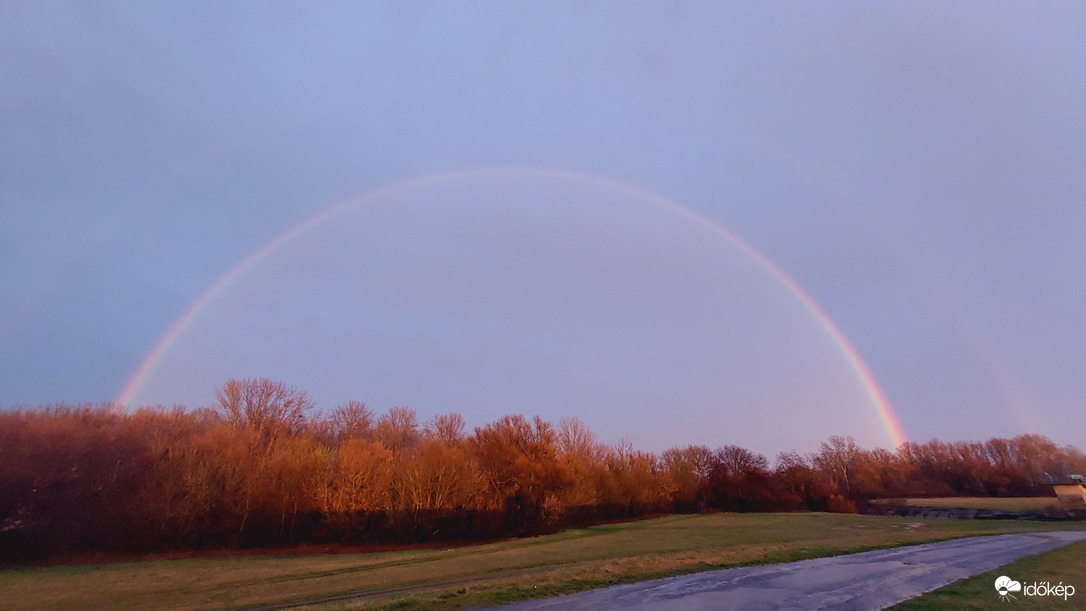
[481,574]
[1066,565]
[1013,504]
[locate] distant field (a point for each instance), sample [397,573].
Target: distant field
[1066,565]
[482,574]
[1014,504]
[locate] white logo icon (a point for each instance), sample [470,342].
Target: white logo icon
[1005,585]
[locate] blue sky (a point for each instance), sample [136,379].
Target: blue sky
[914,167]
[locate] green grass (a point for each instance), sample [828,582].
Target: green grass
[1013,504]
[482,574]
[1066,565]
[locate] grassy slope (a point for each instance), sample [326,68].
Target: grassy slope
[482,574]
[1066,565]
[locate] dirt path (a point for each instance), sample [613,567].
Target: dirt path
[869,580]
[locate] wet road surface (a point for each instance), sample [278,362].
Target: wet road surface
[869,580]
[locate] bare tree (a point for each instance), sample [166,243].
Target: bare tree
[352,420]
[837,459]
[689,468]
[447,428]
[398,429]
[576,439]
[265,406]
[737,461]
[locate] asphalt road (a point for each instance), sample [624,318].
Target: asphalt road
[869,580]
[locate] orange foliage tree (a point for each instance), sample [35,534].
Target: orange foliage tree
[262,468]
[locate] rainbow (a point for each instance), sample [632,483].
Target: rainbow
[878,399]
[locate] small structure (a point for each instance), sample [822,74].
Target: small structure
[1071,493]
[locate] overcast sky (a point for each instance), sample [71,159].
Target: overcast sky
[916,168]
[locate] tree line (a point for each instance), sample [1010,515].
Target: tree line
[262,467]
